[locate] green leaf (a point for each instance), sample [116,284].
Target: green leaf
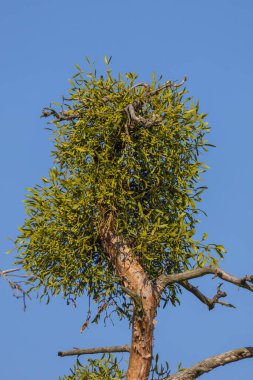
[221,248]
[140,209]
[71,82]
[78,67]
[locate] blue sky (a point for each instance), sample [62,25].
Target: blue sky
[211,43]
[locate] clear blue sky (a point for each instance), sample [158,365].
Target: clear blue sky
[210,42]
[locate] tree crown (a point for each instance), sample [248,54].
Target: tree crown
[126,149]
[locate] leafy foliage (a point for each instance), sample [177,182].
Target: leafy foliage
[146,173]
[159,371]
[105,368]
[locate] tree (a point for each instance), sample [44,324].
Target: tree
[116,219]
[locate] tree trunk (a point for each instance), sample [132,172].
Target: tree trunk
[142,341]
[144,296]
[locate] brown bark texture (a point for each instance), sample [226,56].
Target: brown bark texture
[211,363]
[96,350]
[135,280]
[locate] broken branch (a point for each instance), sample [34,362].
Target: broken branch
[97,350]
[210,302]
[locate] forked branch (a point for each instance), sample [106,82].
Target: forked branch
[97,350]
[133,119]
[209,302]
[211,363]
[167,84]
[165,280]
[13,284]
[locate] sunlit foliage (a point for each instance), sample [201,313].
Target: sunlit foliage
[147,173]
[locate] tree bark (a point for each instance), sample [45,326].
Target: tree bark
[96,350]
[211,363]
[164,280]
[142,341]
[136,282]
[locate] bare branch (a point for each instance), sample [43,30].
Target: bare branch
[141,84]
[60,116]
[210,302]
[97,350]
[165,280]
[133,119]
[7,271]
[14,285]
[70,115]
[211,363]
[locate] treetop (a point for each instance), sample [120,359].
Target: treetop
[125,149]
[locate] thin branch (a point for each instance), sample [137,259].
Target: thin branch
[60,116]
[97,350]
[141,84]
[14,285]
[131,108]
[7,271]
[211,363]
[165,280]
[86,323]
[168,84]
[210,302]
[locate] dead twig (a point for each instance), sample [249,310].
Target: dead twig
[97,350]
[210,302]
[15,285]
